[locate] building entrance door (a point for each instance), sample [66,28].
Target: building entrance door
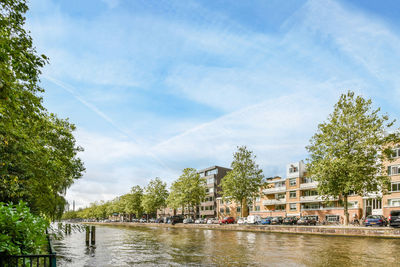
[373,206]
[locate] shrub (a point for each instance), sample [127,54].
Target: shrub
[21,232]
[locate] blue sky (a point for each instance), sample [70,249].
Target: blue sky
[157,86]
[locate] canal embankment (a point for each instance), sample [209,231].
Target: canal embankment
[384,232]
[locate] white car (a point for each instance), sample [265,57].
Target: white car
[254,219]
[188,220]
[212,221]
[143,220]
[242,221]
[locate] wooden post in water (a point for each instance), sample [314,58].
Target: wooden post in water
[66,229]
[69,228]
[87,235]
[93,235]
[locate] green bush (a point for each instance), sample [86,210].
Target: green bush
[21,232]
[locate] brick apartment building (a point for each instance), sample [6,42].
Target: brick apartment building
[208,208]
[296,195]
[213,176]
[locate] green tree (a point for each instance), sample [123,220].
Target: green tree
[188,191]
[133,201]
[243,183]
[347,152]
[155,196]
[38,154]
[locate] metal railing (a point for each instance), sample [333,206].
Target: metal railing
[33,260]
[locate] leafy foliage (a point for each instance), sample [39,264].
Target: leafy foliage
[243,182]
[38,159]
[347,152]
[155,196]
[188,191]
[21,232]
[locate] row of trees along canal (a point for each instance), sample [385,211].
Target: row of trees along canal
[346,156]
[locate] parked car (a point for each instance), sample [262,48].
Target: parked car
[143,220]
[394,218]
[212,221]
[152,220]
[227,220]
[176,219]
[373,220]
[305,220]
[276,220]
[290,220]
[241,220]
[159,220]
[265,221]
[254,219]
[188,220]
[200,221]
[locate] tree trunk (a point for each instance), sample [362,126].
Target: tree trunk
[241,208]
[346,211]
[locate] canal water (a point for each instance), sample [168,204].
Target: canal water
[159,246]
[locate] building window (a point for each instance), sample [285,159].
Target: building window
[210,180]
[279,207]
[257,208]
[332,218]
[215,171]
[228,210]
[292,182]
[394,202]
[352,204]
[310,206]
[310,193]
[292,194]
[395,187]
[280,184]
[237,209]
[396,153]
[280,196]
[257,199]
[250,208]
[211,190]
[293,169]
[307,180]
[393,170]
[293,206]
[221,210]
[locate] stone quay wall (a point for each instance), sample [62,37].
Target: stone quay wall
[386,232]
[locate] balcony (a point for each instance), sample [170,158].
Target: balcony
[309,185]
[311,198]
[274,190]
[315,199]
[274,201]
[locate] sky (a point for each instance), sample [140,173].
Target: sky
[154,87]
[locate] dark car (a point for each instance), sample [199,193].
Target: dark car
[307,221]
[265,221]
[176,219]
[373,220]
[227,220]
[159,220]
[276,220]
[290,220]
[394,218]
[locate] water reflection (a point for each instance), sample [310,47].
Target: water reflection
[144,246]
